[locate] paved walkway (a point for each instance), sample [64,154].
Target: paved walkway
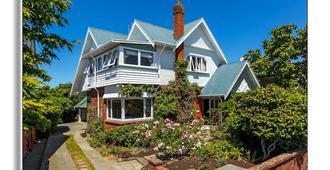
[56,155]
[32,161]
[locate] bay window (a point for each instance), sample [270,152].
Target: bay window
[129,108]
[133,108]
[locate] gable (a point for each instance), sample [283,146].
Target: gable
[89,44]
[137,35]
[199,39]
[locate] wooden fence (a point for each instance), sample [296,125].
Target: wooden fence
[28,139]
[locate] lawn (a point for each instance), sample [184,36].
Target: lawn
[77,155]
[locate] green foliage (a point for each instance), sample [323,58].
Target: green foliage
[166,102]
[131,90]
[220,149]
[149,88]
[40,108]
[285,60]
[272,116]
[171,139]
[176,99]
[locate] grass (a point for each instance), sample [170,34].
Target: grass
[77,154]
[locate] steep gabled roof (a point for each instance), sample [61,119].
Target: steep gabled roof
[101,36]
[223,79]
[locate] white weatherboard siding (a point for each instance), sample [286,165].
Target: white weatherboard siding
[199,39]
[124,75]
[212,62]
[244,82]
[137,35]
[167,61]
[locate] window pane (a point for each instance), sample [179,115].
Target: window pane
[133,108]
[106,59]
[131,57]
[148,107]
[116,109]
[99,64]
[146,59]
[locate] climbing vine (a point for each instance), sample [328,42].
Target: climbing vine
[136,90]
[176,99]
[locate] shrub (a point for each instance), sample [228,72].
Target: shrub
[273,118]
[166,102]
[131,90]
[220,149]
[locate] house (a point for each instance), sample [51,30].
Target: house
[146,56]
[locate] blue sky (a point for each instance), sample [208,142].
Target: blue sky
[238,25]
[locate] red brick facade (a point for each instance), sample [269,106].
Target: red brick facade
[292,161]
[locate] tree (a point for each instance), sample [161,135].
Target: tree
[268,119]
[38,18]
[284,61]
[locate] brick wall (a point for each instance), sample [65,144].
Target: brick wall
[293,161]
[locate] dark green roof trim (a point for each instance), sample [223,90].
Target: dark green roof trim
[81,104]
[139,46]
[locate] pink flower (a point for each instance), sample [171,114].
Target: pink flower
[156,148]
[182,150]
[148,133]
[185,136]
[162,130]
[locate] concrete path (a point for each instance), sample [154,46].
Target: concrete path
[99,162]
[32,161]
[56,155]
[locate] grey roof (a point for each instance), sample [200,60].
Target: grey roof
[103,36]
[158,33]
[223,79]
[82,103]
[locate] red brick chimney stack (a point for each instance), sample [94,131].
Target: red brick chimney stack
[178,30]
[178,12]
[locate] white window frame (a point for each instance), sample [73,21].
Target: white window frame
[112,59]
[153,65]
[201,67]
[123,100]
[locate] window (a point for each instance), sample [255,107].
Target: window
[148,107]
[131,57]
[99,64]
[146,59]
[214,103]
[106,58]
[197,64]
[133,108]
[89,68]
[116,109]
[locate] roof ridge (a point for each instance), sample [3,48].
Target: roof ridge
[152,24]
[100,29]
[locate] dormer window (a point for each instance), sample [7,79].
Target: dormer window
[197,63]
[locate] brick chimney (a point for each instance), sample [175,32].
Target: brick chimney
[178,30]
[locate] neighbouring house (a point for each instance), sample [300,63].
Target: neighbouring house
[81,109]
[147,56]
